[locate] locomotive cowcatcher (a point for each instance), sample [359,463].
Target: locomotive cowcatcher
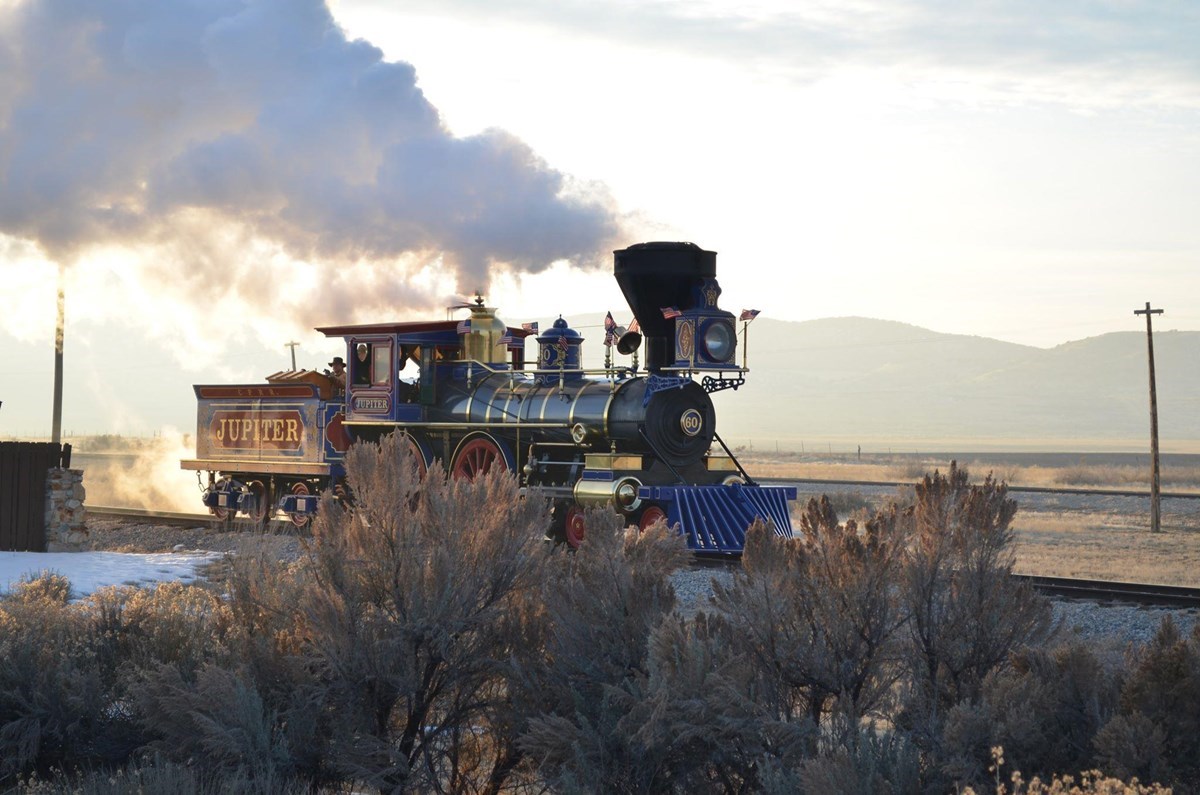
[462,395]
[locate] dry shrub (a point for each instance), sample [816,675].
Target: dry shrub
[51,693]
[68,670]
[379,658]
[1090,782]
[817,614]
[219,717]
[411,602]
[173,623]
[582,690]
[966,613]
[47,587]
[147,776]
[1047,708]
[1157,736]
[863,761]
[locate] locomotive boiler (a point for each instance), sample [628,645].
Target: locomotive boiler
[641,441]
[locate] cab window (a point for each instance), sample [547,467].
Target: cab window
[381,370]
[361,365]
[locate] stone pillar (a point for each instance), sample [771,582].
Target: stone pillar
[66,530]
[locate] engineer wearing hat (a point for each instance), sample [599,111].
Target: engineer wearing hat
[338,374]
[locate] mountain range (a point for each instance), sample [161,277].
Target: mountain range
[852,380]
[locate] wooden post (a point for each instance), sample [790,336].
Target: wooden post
[56,410]
[1155,515]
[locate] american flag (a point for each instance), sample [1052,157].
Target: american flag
[748,314]
[511,341]
[633,325]
[609,323]
[530,326]
[464,326]
[669,312]
[562,343]
[610,329]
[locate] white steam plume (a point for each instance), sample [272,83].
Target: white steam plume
[225,140]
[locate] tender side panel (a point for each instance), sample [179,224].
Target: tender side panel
[260,424]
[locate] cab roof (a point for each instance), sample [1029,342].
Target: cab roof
[415,331]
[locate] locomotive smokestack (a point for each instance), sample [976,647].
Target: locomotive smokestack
[654,276]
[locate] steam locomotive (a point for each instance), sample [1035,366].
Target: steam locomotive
[462,395]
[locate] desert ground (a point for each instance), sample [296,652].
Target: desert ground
[1057,535]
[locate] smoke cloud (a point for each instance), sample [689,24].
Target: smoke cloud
[241,145]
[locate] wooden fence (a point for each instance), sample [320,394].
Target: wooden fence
[23,468]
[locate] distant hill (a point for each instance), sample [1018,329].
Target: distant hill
[853,378]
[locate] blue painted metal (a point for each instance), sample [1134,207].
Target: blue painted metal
[300,503]
[715,518]
[661,383]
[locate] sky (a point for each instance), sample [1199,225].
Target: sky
[211,180]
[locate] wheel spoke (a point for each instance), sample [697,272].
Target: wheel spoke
[476,457]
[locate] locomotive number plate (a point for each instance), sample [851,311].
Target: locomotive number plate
[691,422]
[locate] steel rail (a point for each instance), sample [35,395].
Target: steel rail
[1106,590]
[1174,495]
[163,517]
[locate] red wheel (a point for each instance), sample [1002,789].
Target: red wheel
[415,449]
[262,507]
[575,528]
[650,516]
[300,519]
[475,457]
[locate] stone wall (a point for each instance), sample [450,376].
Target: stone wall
[65,527]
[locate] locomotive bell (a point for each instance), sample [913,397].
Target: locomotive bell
[628,342]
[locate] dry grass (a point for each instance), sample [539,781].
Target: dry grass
[1100,544]
[1184,479]
[1106,546]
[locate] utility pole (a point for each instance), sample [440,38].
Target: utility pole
[60,325]
[1155,516]
[292,345]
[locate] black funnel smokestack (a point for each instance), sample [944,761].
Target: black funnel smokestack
[657,275]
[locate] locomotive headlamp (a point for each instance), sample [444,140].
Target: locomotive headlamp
[718,341]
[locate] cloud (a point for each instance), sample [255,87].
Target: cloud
[1081,55]
[226,141]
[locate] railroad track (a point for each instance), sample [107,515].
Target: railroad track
[1173,495]
[158,517]
[1106,591]
[1062,587]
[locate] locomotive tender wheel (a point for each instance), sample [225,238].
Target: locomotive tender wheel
[475,457]
[651,515]
[575,529]
[262,502]
[300,520]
